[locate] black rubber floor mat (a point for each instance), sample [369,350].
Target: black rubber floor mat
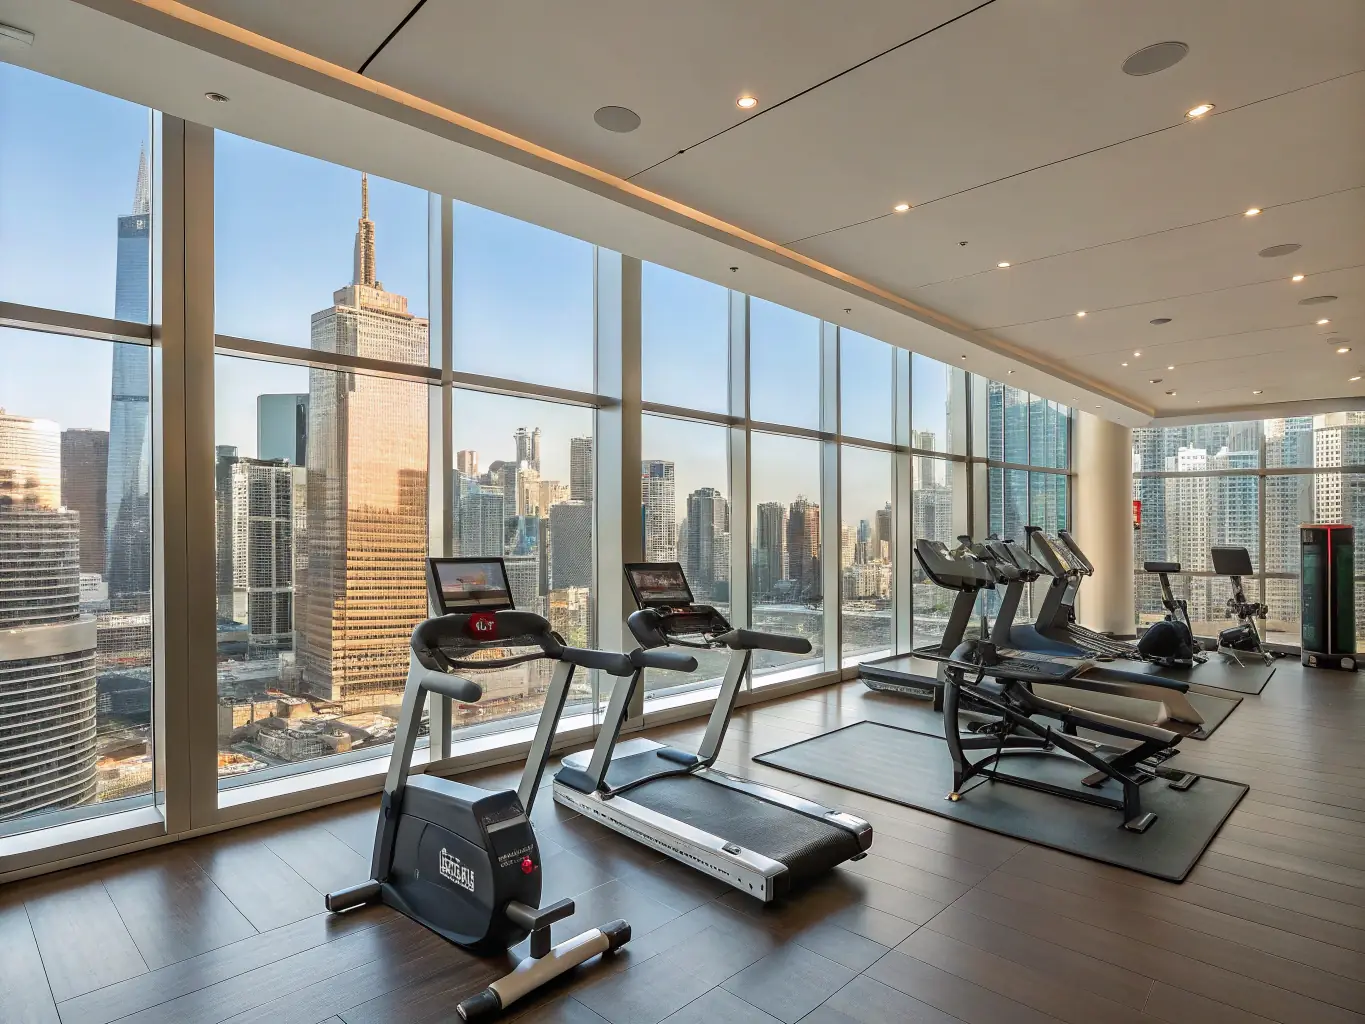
[1222,673]
[913,769]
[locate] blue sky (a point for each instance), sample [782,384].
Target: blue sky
[284,233]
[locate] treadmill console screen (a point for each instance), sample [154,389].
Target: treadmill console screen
[463,585]
[658,584]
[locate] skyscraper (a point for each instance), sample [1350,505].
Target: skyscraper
[367,474]
[128,515]
[85,470]
[255,546]
[803,547]
[467,462]
[770,548]
[528,447]
[479,518]
[660,506]
[580,468]
[282,428]
[47,647]
[707,528]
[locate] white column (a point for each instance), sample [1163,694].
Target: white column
[1102,521]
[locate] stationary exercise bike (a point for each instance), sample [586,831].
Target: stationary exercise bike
[463,860]
[1234,562]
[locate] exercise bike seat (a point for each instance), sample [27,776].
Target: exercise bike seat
[1166,567]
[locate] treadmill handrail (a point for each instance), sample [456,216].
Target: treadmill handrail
[1078,559]
[756,640]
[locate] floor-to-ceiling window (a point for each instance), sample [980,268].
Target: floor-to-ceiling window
[1250,484]
[78,216]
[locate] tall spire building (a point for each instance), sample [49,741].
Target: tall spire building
[127,505]
[363,589]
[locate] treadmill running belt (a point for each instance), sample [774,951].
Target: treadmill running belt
[808,846]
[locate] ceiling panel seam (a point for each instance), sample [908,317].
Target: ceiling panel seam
[810,88]
[1136,238]
[1066,159]
[1169,298]
[390,37]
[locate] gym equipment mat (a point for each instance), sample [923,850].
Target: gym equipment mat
[918,672]
[913,769]
[1221,673]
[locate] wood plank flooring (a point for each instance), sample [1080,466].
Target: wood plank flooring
[941,923]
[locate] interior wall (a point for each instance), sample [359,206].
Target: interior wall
[1102,521]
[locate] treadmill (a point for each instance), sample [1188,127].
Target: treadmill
[759,839]
[1062,559]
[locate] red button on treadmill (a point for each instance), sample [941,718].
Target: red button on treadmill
[527,865]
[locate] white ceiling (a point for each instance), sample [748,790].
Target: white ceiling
[1009,125]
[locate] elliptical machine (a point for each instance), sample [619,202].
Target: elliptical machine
[1234,562]
[463,860]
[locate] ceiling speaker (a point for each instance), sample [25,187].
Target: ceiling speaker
[1157,57]
[1280,250]
[616,119]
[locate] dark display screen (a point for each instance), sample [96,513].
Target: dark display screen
[656,584]
[461,585]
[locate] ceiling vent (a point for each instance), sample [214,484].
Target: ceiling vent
[1157,57]
[616,119]
[1160,320]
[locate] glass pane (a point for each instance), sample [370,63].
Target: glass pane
[1149,539]
[320,559]
[1047,502]
[785,582]
[524,300]
[784,365]
[685,483]
[1047,433]
[75,198]
[685,340]
[865,376]
[1205,446]
[931,413]
[75,577]
[524,490]
[934,518]
[866,488]
[294,236]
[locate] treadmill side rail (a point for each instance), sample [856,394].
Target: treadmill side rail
[744,869]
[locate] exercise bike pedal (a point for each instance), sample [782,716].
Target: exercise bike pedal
[1141,823]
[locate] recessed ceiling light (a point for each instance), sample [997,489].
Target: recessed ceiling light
[1155,380]
[1258,392]
[1097,407]
[616,119]
[746,102]
[1081,313]
[1255,211]
[1003,264]
[1170,367]
[1124,364]
[1199,111]
[1343,349]
[901,207]
[1159,321]
[1172,393]
[1137,353]
[1011,371]
[215,97]
[1324,320]
[1356,377]
[1296,278]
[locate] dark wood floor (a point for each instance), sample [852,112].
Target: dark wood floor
[941,923]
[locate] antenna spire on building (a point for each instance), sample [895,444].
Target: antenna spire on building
[142,191]
[364,239]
